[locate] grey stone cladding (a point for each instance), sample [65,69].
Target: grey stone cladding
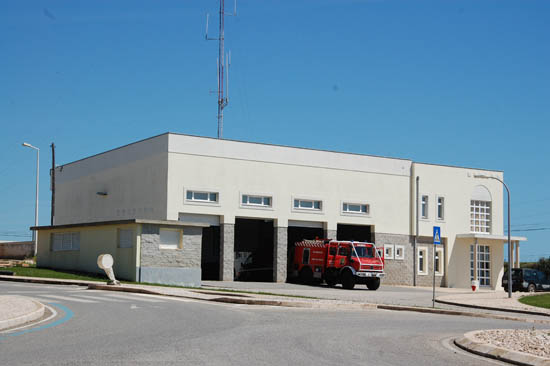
[330,234]
[189,256]
[427,279]
[398,272]
[280,249]
[227,252]
[401,272]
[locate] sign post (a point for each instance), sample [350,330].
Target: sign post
[436,241]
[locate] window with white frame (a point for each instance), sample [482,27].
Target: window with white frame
[480,216]
[483,264]
[388,251]
[170,238]
[355,208]
[305,204]
[440,208]
[65,241]
[399,252]
[256,201]
[422,260]
[201,196]
[125,238]
[439,262]
[424,207]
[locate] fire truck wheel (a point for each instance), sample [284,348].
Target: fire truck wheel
[331,278]
[373,284]
[348,281]
[306,275]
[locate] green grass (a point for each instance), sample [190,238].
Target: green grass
[541,301]
[85,276]
[55,273]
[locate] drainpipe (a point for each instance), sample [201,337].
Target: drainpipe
[416,231]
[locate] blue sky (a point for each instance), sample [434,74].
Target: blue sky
[451,82]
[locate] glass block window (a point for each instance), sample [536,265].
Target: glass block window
[125,238]
[65,241]
[480,216]
[170,238]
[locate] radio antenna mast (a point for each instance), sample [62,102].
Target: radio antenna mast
[223,63]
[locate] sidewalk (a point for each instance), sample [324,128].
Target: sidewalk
[17,310]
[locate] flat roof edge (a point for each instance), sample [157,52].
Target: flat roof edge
[120,222]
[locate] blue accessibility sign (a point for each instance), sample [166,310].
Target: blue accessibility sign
[437,235]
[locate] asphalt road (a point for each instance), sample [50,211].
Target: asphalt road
[109,328]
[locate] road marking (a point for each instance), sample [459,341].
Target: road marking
[68,315]
[71,298]
[136,297]
[100,298]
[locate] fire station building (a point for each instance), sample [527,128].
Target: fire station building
[176,209]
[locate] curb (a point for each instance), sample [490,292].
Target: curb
[29,317]
[528,312]
[468,343]
[45,280]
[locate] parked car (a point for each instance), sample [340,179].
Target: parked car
[526,279]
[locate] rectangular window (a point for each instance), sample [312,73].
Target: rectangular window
[356,208]
[424,207]
[422,260]
[440,208]
[305,256]
[399,252]
[483,264]
[480,216]
[170,238]
[439,261]
[202,196]
[256,201]
[65,241]
[388,251]
[125,238]
[314,205]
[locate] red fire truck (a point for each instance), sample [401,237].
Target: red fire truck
[345,262]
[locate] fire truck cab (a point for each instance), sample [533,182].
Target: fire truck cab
[345,262]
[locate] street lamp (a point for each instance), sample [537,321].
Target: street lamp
[509,241]
[34,234]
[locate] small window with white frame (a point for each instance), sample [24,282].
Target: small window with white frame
[65,242]
[439,262]
[424,207]
[126,238]
[355,208]
[196,196]
[388,251]
[256,201]
[170,238]
[440,210]
[307,204]
[399,252]
[422,260]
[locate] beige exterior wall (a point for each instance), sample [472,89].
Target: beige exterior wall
[235,168]
[94,240]
[456,185]
[133,176]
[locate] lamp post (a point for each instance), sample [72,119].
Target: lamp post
[509,241]
[34,234]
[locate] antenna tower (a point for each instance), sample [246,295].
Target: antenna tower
[223,61]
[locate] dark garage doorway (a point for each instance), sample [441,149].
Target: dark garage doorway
[210,253]
[354,232]
[296,234]
[254,250]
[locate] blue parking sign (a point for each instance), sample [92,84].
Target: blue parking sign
[437,235]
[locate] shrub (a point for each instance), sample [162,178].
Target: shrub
[543,265]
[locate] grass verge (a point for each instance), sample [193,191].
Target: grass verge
[86,276]
[541,301]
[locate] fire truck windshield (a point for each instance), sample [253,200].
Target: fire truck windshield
[364,252]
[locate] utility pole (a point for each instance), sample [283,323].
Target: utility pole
[52,174]
[223,64]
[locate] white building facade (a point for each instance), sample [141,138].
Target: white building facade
[257,200]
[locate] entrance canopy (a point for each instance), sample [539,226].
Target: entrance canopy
[514,241]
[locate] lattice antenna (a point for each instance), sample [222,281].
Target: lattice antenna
[223,63]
